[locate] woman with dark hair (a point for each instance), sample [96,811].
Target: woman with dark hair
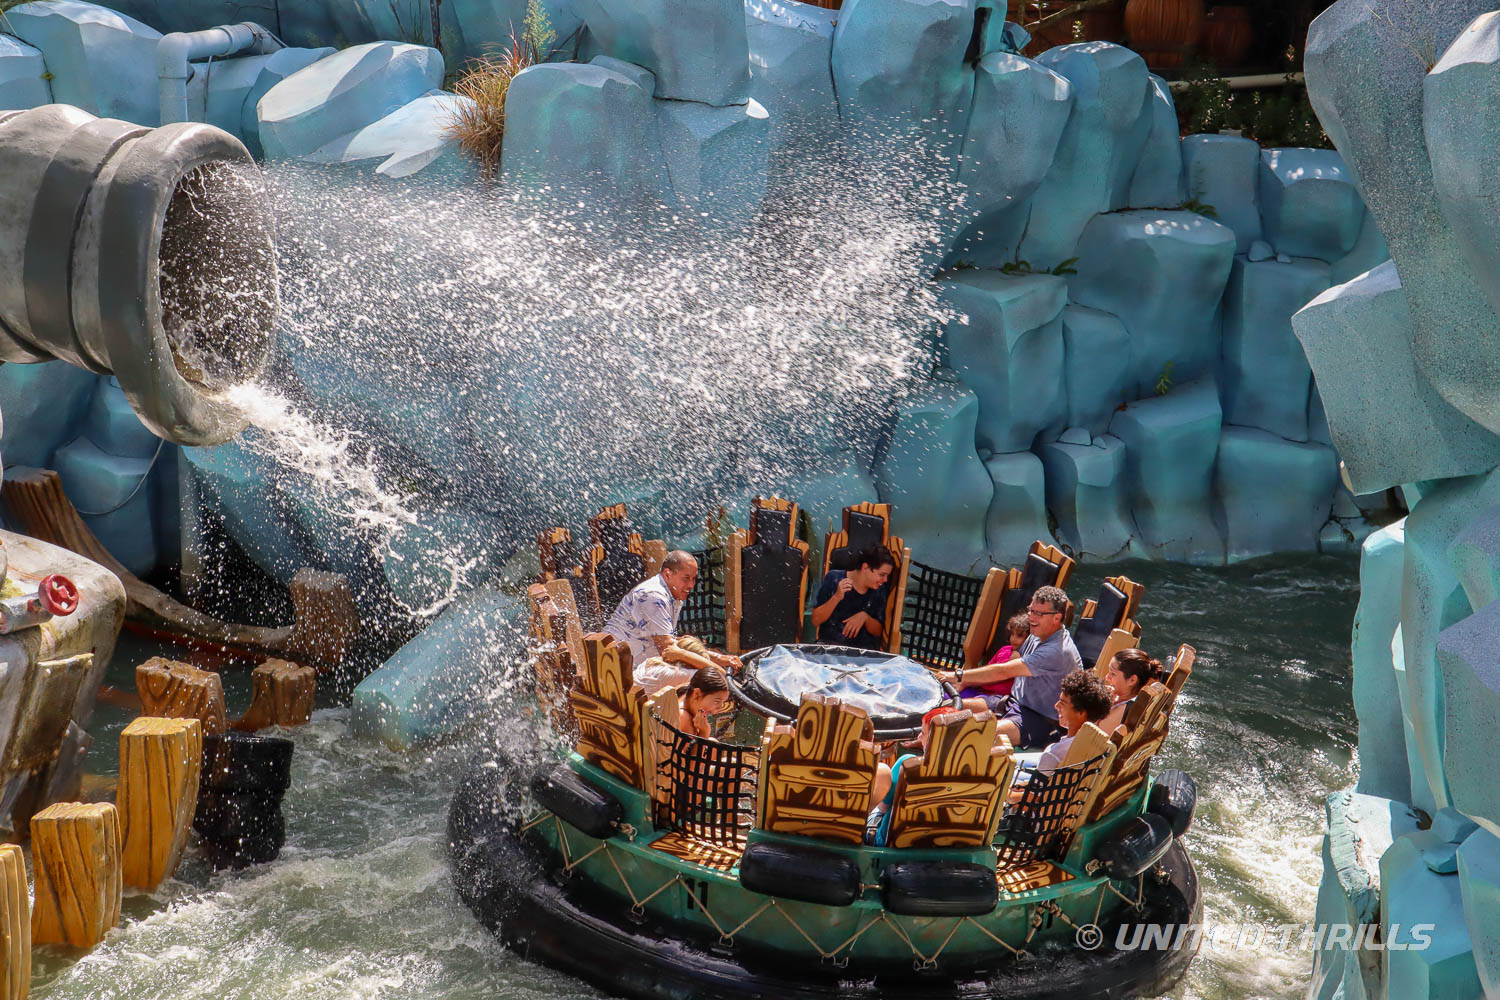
[705,696]
[1129,671]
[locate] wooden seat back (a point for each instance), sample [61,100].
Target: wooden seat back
[1141,735]
[615,561]
[556,649]
[869,524]
[953,797]
[1113,610]
[765,578]
[1118,640]
[1044,566]
[559,560]
[611,711]
[816,776]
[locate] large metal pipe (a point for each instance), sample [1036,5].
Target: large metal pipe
[145,253]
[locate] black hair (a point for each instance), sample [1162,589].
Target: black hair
[875,557]
[1088,694]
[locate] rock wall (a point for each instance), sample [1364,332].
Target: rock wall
[1120,372]
[1405,361]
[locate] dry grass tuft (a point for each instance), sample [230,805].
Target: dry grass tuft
[479,127]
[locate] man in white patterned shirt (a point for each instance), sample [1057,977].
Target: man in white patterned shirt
[646,621]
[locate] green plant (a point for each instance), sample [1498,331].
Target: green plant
[536,30]
[1274,116]
[1194,205]
[1164,380]
[1019,266]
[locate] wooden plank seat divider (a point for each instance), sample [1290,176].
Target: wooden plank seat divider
[816,775]
[867,524]
[616,559]
[15,925]
[181,691]
[765,578]
[75,852]
[954,796]
[160,763]
[1037,831]
[1141,735]
[1112,611]
[1118,640]
[281,694]
[610,709]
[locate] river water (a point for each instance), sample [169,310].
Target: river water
[359,903]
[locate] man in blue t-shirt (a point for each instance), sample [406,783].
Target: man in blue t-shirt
[1046,657]
[850,607]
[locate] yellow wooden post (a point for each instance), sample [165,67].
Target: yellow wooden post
[160,761]
[15,925]
[281,695]
[75,854]
[181,691]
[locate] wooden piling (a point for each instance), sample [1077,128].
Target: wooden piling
[160,762]
[281,695]
[15,925]
[75,854]
[181,691]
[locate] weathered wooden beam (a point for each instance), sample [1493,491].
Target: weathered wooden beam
[15,925]
[75,852]
[160,760]
[181,691]
[281,695]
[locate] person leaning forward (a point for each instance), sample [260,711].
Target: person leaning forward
[1046,657]
[646,621]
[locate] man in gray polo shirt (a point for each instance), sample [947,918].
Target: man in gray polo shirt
[1047,656]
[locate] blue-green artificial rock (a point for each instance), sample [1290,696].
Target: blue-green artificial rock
[22,83]
[1274,495]
[1384,763]
[1098,150]
[113,426]
[696,48]
[217,90]
[1309,206]
[791,48]
[489,24]
[716,158]
[343,93]
[1360,828]
[42,404]
[1475,557]
[1086,496]
[442,678]
[1433,600]
[1461,143]
[1470,705]
[1411,894]
[1479,888]
[1171,442]
[1020,108]
[240,486]
[1266,378]
[114,497]
[1368,253]
[101,61]
[1222,172]
[1367,87]
[1163,274]
[930,474]
[277,67]
[1007,346]
[1018,512]
[414,138]
[1096,366]
[1359,339]
[579,127]
[1157,181]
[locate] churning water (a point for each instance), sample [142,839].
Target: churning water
[509,366]
[359,905]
